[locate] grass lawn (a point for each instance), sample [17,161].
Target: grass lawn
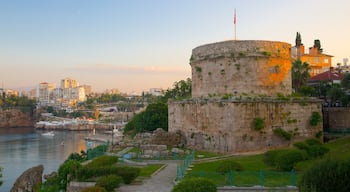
[148,170]
[253,164]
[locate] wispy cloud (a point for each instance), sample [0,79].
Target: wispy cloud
[109,68]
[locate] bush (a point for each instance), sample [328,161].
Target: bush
[226,166]
[128,173]
[70,167]
[315,118]
[327,175]
[302,146]
[103,161]
[259,123]
[313,148]
[284,159]
[282,133]
[195,185]
[94,189]
[312,142]
[109,182]
[287,159]
[88,172]
[317,151]
[270,157]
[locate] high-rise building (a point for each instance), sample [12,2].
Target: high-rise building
[69,83]
[45,94]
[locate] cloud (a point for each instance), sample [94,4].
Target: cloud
[109,68]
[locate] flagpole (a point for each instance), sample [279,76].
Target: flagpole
[234,21]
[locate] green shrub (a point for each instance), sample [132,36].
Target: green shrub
[287,159]
[302,146]
[317,151]
[94,189]
[109,182]
[70,167]
[313,148]
[103,161]
[195,185]
[270,157]
[312,142]
[315,118]
[259,123]
[128,173]
[327,175]
[284,159]
[282,133]
[89,172]
[227,165]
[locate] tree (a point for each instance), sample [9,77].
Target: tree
[346,81]
[180,90]
[298,40]
[300,74]
[336,94]
[317,44]
[155,116]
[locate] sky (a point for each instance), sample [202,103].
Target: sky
[135,45]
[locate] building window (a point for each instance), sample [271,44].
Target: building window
[325,60]
[316,60]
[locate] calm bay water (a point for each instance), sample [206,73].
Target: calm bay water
[23,148]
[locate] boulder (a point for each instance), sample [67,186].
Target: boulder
[29,179]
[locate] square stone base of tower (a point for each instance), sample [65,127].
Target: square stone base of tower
[245,124]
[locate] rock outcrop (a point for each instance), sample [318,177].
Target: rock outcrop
[29,179]
[16,118]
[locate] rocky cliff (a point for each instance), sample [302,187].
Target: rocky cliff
[28,180]
[16,118]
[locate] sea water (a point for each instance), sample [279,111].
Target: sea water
[23,148]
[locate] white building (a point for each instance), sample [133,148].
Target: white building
[45,94]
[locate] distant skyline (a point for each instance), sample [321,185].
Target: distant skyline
[136,45]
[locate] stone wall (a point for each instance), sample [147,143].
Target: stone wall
[235,67]
[16,118]
[228,125]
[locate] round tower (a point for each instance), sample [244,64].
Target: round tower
[235,67]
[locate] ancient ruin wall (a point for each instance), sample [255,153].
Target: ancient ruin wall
[228,125]
[235,67]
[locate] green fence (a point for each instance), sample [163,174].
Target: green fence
[249,178]
[183,166]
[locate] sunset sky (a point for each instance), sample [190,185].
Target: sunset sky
[134,45]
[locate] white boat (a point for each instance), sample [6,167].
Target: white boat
[49,134]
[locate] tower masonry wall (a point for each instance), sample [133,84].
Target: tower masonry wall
[230,125]
[235,67]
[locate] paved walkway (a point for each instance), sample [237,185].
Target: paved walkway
[161,182]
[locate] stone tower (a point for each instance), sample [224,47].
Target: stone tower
[241,99]
[235,67]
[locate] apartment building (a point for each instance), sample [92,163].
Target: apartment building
[67,95]
[45,94]
[318,61]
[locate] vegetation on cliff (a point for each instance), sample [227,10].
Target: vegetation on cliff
[12,101]
[156,114]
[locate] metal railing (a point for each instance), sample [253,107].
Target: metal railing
[183,166]
[248,178]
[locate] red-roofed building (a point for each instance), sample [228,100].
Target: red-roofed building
[331,76]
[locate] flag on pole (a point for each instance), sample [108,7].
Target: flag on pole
[234,19]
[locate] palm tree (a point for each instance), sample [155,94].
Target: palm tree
[300,74]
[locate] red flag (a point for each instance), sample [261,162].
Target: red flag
[234,19]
